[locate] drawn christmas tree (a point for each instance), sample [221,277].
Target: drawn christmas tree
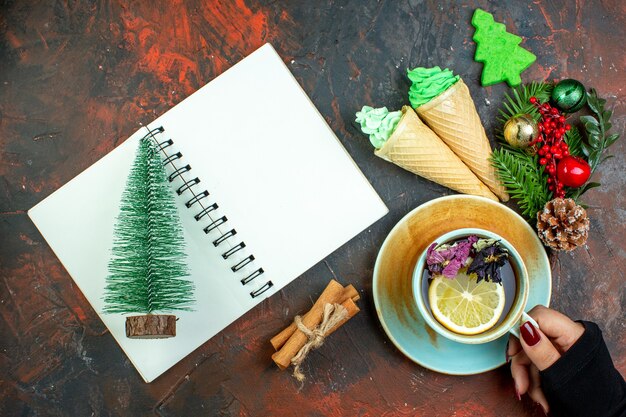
[499,51]
[147,268]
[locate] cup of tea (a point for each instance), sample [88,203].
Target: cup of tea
[478,290]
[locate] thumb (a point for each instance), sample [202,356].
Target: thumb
[537,346]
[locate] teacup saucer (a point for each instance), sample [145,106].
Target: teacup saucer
[392,285]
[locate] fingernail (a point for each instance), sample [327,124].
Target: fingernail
[519,397]
[542,408]
[530,334]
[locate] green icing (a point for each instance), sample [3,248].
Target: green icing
[379,123]
[428,83]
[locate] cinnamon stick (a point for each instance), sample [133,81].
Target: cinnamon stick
[352,308]
[282,358]
[349,292]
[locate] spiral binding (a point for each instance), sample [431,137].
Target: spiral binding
[198,199]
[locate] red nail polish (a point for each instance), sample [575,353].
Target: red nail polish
[530,334]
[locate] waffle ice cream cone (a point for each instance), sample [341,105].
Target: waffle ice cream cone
[416,148]
[452,115]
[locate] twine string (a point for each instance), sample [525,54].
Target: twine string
[333,314]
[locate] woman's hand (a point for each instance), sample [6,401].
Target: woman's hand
[539,349]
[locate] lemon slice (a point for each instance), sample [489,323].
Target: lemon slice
[465,306]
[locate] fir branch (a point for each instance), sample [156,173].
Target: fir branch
[518,102]
[523,179]
[574,141]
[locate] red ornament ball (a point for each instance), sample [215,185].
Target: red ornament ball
[573,171]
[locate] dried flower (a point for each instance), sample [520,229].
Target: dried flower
[491,256]
[447,259]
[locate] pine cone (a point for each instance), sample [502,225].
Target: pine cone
[562,224]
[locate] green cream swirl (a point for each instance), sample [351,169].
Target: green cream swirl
[379,123]
[428,83]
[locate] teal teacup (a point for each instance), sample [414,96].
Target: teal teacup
[516,292]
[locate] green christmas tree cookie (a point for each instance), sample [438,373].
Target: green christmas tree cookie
[499,51]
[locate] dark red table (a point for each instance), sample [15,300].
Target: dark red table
[77,77]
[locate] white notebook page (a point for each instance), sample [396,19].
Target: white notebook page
[279,174]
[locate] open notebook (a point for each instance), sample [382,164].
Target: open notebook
[254,163]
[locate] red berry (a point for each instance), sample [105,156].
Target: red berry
[550,180]
[564,146]
[533,100]
[562,119]
[545,148]
[554,111]
[554,149]
[567,127]
[551,170]
[557,156]
[550,187]
[573,171]
[565,152]
[543,161]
